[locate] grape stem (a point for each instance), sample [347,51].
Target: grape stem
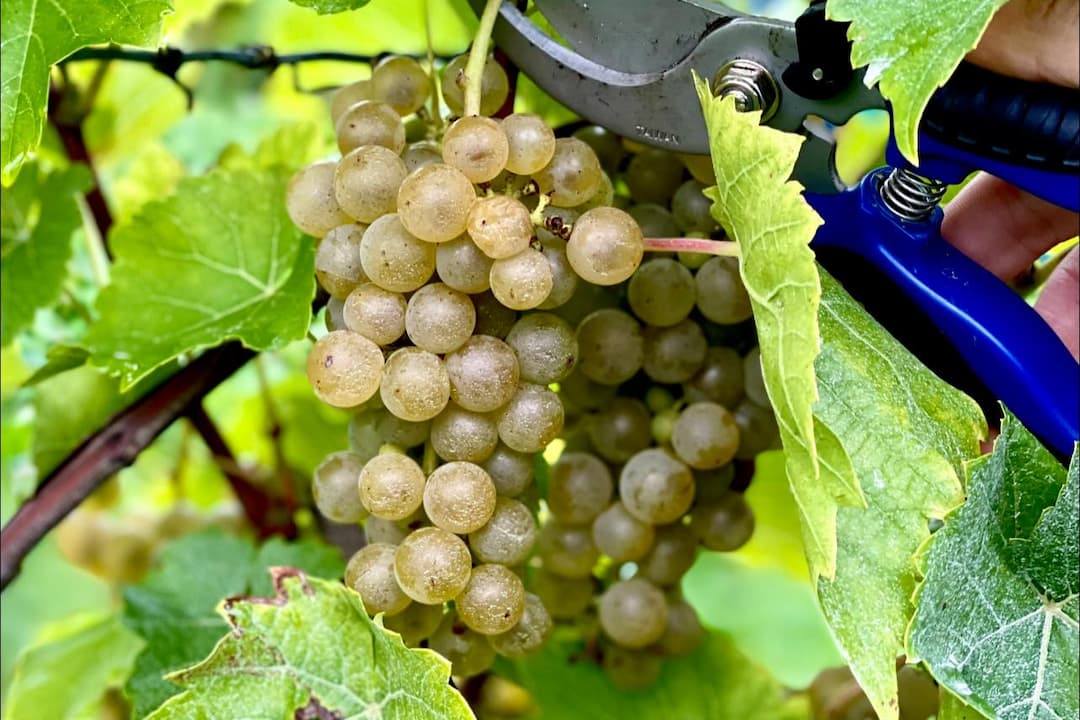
[723,248]
[537,215]
[474,69]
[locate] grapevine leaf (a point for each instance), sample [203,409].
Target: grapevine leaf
[988,630]
[716,682]
[58,359]
[65,673]
[342,663]
[217,261]
[907,433]
[911,48]
[767,216]
[40,214]
[173,608]
[952,708]
[331,7]
[39,34]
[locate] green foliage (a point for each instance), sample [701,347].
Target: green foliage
[907,433]
[910,48]
[329,7]
[996,617]
[40,214]
[224,263]
[716,682]
[343,664]
[64,673]
[766,215]
[36,35]
[173,609]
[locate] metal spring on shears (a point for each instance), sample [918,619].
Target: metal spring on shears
[910,195]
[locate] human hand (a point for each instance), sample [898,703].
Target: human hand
[999,226]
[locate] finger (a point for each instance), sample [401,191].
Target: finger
[1059,302]
[1002,228]
[1033,40]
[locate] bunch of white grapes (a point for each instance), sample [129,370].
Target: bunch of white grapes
[488,303]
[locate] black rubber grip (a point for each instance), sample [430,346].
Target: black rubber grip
[1016,121]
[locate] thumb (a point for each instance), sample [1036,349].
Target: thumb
[1036,40]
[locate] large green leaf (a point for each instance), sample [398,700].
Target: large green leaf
[40,213]
[65,673]
[907,433]
[715,682]
[38,34]
[340,663]
[910,48]
[767,216]
[217,261]
[173,609]
[1003,636]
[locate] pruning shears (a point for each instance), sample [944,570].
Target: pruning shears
[626,66]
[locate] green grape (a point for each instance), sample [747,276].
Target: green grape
[401,83]
[563,278]
[620,535]
[511,471]
[671,555]
[661,292]
[653,175]
[531,420]
[633,613]
[606,144]
[400,433]
[546,347]
[494,86]
[393,258]
[684,632]
[712,484]
[508,537]
[655,487]
[415,623]
[579,488]
[692,210]
[421,154]
[572,176]
[611,348]
[694,260]
[587,299]
[532,143]
[459,434]
[333,488]
[346,96]
[439,319]
[434,202]
[606,246]
[565,598]
[581,395]
[468,651]
[415,384]
[432,565]
[492,317]
[310,200]
[620,430]
[758,431]
[529,633]
[477,146]
[522,281]
[344,368]
[388,532]
[459,497]
[700,167]
[500,226]
[366,182]
[655,221]
[720,379]
[721,296]
[630,670]
[673,354]
[493,602]
[391,486]
[334,318]
[337,260]
[754,383]
[603,197]
[657,399]
[567,550]
[370,572]
[463,266]
[724,524]
[370,122]
[662,425]
[705,436]
[483,373]
[377,314]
